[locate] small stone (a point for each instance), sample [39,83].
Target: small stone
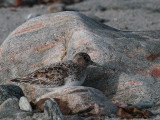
[24,104]
[10,91]
[10,102]
[52,111]
[32,15]
[56,8]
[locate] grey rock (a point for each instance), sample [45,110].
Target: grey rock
[10,91]
[10,103]
[13,113]
[133,56]
[9,110]
[145,104]
[81,100]
[24,104]
[52,111]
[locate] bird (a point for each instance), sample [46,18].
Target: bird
[60,74]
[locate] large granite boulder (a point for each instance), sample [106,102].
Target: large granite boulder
[130,60]
[84,101]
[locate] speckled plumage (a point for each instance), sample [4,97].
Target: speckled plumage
[68,73]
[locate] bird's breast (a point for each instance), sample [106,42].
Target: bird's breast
[73,80]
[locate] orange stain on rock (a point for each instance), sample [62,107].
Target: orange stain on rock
[47,46]
[140,51]
[131,82]
[81,42]
[94,54]
[29,28]
[156,72]
[18,3]
[36,64]
[107,58]
[0,53]
[48,59]
[43,47]
[152,57]
[14,55]
[131,56]
[143,72]
[0,56]
[156,66]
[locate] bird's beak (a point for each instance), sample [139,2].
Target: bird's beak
[94,64]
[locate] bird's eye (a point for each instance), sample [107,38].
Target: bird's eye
[86,58]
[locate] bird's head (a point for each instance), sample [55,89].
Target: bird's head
[83,59]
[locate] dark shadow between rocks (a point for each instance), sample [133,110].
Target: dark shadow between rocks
[104,78]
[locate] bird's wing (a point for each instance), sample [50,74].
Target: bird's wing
[49,76]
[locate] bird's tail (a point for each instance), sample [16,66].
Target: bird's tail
[30,81]
[20,80]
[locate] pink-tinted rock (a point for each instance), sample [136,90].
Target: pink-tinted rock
[133,57]
[80,100]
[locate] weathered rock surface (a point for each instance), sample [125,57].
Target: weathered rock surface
[52,111]
[24,104]
[56,37]
[10,91]
[10,103]
[14,114]
[9,109]
[80,100]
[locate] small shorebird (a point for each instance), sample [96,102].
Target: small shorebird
[62,74]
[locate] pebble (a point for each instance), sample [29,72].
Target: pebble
[10,102]
[32,15]
[24,104]
[52,111]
